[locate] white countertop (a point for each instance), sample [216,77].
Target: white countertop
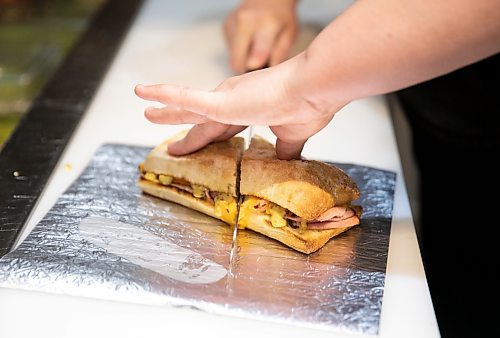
[182,43]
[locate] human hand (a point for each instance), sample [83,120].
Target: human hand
[271,97]
[260,32]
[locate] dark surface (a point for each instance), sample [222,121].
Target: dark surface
[33,150]
[456,139]
[35,36]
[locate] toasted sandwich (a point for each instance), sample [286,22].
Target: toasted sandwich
[205,180]
[302,204]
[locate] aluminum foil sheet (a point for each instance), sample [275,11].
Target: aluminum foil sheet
[105,239]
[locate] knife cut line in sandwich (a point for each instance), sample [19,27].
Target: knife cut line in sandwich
[300,203]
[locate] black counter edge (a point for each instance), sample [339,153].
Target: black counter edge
[34,148]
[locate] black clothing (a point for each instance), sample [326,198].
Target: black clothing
[455,121]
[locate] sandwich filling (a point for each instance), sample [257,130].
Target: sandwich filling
[225,205]
[277,216]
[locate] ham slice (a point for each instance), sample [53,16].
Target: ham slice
[348,213]
[348,222]
[333,218]
[183,187]
[293,218]
[331,213]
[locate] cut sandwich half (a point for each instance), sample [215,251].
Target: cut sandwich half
[300,203]
[205,180]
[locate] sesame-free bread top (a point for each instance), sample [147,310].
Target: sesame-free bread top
[215,166]
[306,188]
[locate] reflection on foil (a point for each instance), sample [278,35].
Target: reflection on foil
[149,251]
[105,239]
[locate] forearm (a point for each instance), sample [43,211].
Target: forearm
[378,46]
[374,47]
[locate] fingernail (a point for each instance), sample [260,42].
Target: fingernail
[138,88]
[147,112]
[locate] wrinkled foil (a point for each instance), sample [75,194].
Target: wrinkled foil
[105,239]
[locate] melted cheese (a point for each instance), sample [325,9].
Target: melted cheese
[226,208]
[277,215]
[198,190]
[274,213]
[151,177]
[246,210]
[165,179]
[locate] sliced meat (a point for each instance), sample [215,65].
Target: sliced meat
[208,196]
[349,213]
[337,211]
[354,220]
[213,195]
[182,187]
[181,181]
[333,214]
[293,217]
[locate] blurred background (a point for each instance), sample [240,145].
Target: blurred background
[35,36]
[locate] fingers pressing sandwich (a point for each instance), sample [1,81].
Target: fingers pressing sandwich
[289,150]
[201,135]
[268,97]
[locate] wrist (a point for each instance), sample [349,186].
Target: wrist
[316,86]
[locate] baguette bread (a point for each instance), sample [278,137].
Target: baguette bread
[214,167]
[307,242]
[306,188]
[295,195]
[205,180]
[177,196]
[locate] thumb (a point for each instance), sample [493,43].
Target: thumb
[286,150]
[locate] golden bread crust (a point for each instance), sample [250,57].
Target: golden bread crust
[306,188]
[307,242]
[214,166]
